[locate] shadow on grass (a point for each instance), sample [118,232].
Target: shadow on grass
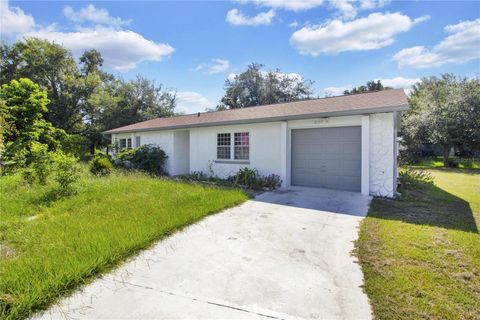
[53,195]
[426,204]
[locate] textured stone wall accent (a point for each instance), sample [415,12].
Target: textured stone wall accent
[381,155]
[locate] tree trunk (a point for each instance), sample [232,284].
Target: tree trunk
[446,153]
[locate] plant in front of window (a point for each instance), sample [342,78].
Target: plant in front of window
[147,158]
[246,177]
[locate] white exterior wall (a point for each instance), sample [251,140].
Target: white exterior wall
[382,155]
[265,149]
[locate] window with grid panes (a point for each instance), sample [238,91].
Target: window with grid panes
[223,145]
[241,149]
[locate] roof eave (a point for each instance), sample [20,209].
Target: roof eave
[271,119]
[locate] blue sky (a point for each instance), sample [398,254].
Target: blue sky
[194,46]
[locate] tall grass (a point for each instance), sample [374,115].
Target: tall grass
[54,245]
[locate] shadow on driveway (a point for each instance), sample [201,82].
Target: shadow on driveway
[334,201]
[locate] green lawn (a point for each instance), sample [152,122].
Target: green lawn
[437,162]
[49,247]
[421,254]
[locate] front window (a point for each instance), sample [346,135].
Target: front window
[241,146]
[125,143]
[223,145]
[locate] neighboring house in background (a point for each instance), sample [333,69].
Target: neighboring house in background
[345,142]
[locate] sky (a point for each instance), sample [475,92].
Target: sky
[194,46]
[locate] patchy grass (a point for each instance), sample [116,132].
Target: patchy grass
[420,254]
[49,246]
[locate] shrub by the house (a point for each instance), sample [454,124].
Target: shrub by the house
[245,177]
[147,158]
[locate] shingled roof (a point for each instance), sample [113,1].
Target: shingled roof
[364,103]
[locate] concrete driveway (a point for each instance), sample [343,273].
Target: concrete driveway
[284,255]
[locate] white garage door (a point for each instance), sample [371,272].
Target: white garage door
[327,157]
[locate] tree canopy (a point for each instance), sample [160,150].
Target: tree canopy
[254,87]
[83,99]
[371,86]
[443,111]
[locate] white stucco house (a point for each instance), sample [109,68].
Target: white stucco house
[346,142]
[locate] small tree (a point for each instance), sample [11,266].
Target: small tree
[22,106]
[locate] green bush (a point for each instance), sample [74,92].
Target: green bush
[147,158]
[246,177]
[38,164]
[67,172]
[412,177]
[100,165]
[251,178]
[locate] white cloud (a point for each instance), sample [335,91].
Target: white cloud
[375,31]
[373,4]
[122,49]
[237,18]
[295,5]
[217,66]
[336,91]
[192,102]
[345,8]
[92,14]
[399,82]
[461,46]
[13,20]
[294,24]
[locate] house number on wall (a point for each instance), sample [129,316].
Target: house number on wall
[320,121]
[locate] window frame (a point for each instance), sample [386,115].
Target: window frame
[241,145]
[127,141]
[121,143]
[138,141]
[232,147]
[226,144]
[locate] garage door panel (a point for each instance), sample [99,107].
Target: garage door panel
[352,148]
[327,157]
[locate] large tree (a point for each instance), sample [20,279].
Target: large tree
[53,68]
[443,111]
[255,87]
[84,100]
[137,100]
